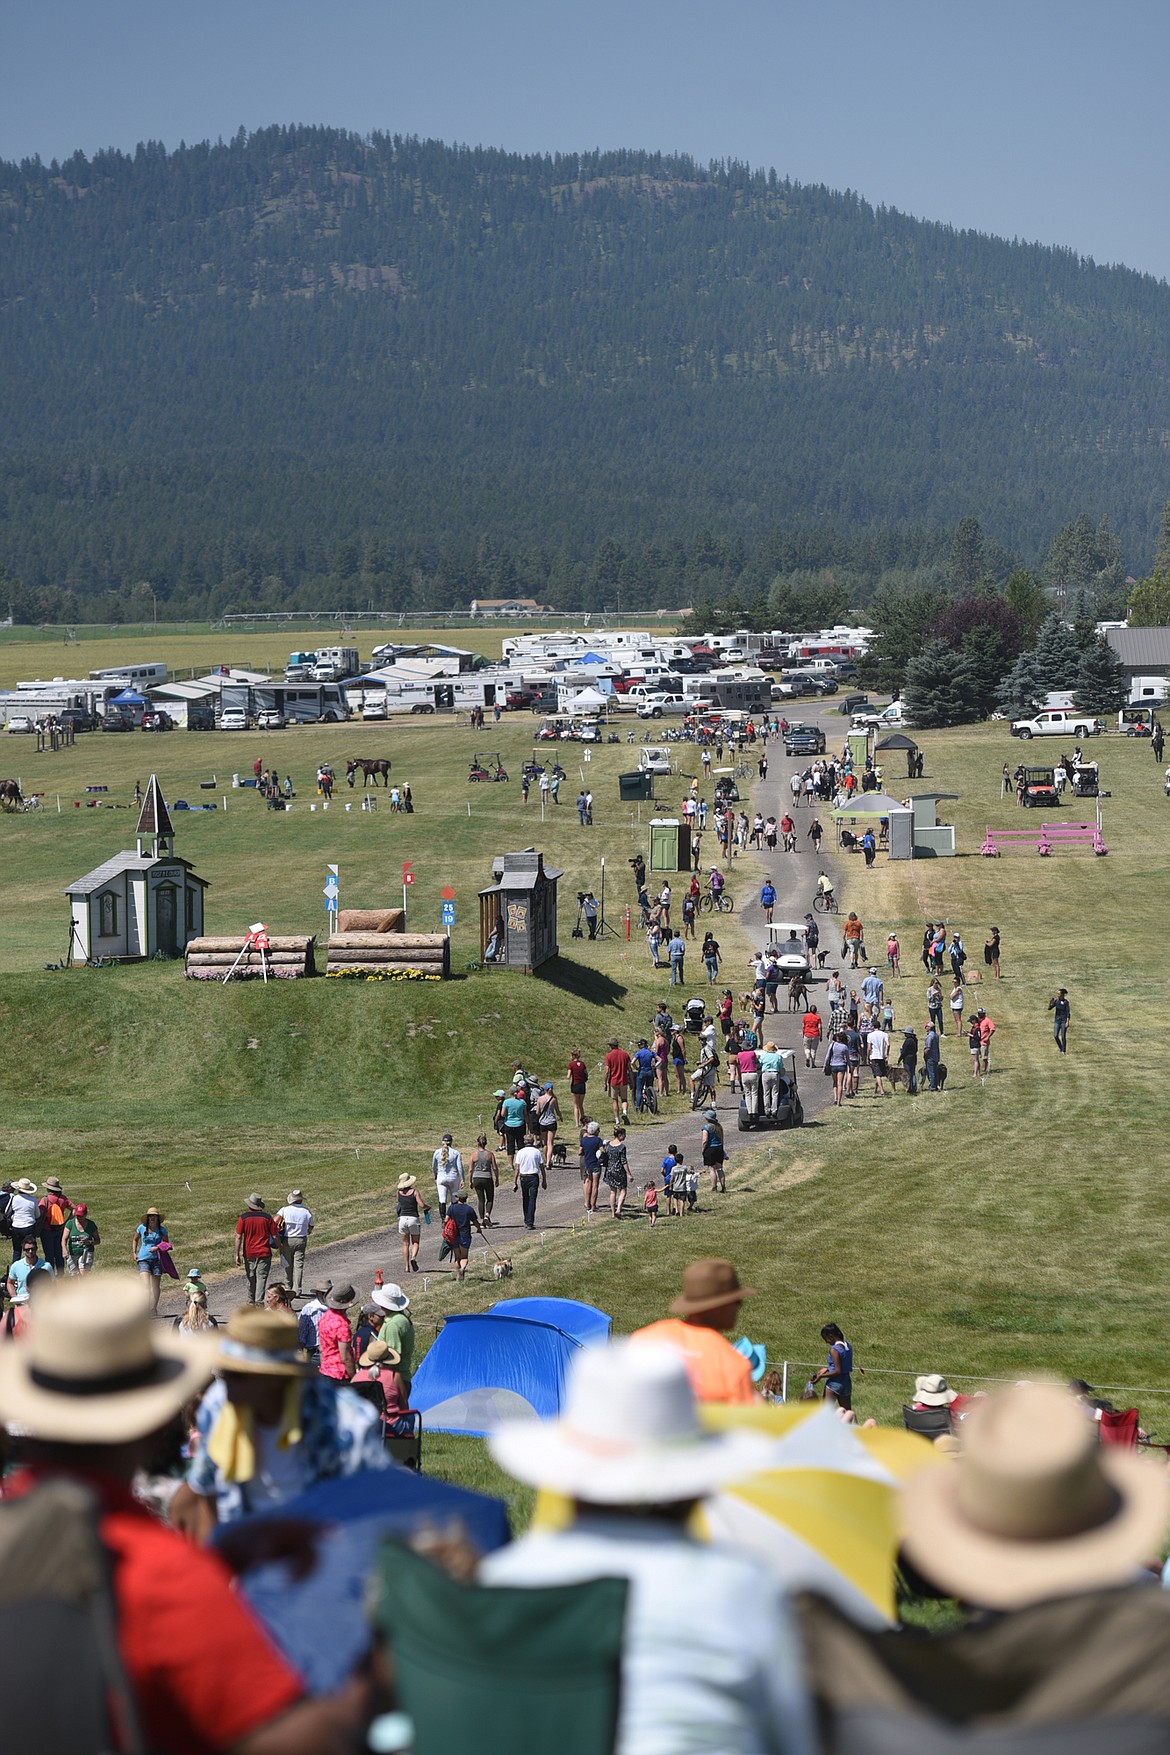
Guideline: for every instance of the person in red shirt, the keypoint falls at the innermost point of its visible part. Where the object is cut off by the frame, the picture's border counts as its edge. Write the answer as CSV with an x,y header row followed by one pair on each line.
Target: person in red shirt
x,y
255,1231
811,1032
202,1671
578,1076
617,1079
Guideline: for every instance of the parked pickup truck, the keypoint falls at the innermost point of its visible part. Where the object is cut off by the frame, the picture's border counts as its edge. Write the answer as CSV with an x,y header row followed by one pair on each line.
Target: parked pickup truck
x,y
654,706
1056,722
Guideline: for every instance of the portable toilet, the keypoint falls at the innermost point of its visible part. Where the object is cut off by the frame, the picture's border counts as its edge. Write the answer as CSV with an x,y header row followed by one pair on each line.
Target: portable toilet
x,y
670,844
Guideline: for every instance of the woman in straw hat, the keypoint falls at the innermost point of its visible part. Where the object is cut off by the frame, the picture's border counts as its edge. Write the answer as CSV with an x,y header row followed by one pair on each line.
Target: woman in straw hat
x,y
270,1426
92,1390
397,1329
710,1661
411,1209
148,1236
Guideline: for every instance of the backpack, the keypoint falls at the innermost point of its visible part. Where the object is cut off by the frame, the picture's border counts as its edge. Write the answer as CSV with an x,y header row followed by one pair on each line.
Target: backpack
x,y
450,1233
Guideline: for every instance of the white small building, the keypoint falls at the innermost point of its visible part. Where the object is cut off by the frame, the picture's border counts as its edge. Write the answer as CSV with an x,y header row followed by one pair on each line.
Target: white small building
x,y
141,903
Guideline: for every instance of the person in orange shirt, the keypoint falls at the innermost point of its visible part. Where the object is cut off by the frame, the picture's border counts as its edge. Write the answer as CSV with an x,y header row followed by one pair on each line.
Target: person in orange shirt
x,y
709,1305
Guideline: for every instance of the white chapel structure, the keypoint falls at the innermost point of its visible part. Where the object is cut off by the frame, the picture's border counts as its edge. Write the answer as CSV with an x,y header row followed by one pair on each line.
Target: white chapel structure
x,y
138,904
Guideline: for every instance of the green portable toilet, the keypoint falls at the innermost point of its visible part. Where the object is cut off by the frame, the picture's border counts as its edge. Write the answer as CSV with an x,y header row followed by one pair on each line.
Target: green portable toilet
x,y
667,838
635,786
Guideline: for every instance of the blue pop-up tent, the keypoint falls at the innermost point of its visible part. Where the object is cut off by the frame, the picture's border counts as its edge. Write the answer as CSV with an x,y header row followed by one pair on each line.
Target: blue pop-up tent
x,y
584,1322
128,698
501,1364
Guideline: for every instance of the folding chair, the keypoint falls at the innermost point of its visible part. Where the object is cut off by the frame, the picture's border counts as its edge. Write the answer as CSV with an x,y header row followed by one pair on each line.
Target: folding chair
x,y
503,1670
404,1447
1119,1428
930,1423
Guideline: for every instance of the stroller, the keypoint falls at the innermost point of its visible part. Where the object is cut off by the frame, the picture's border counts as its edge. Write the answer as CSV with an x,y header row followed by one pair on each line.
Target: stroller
x,y
694,1013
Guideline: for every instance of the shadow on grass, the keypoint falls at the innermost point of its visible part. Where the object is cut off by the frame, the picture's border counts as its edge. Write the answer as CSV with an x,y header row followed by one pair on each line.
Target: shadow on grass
x,y
581,981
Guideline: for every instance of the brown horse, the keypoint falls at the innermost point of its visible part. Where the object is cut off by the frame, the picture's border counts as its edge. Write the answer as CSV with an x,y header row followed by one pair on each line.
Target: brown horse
x,y
11,797
369,767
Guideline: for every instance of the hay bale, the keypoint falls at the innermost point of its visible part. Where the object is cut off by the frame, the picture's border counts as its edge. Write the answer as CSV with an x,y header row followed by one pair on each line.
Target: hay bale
x,y
369,920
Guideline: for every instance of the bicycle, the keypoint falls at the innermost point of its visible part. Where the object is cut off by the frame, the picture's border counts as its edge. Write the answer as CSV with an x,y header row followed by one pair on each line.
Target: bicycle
x,y
824,902
716,902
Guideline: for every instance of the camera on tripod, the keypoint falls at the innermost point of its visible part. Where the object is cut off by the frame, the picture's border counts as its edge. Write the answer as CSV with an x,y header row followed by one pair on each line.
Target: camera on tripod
x,y
578,930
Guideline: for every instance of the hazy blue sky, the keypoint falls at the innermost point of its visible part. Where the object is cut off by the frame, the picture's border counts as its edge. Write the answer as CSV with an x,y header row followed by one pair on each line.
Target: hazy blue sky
x,y
1041,119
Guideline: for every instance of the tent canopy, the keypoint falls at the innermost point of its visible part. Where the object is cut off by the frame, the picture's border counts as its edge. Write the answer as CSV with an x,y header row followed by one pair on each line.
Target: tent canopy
x,y
868,803
897,740
128,698
583,1322
488,1368
589,698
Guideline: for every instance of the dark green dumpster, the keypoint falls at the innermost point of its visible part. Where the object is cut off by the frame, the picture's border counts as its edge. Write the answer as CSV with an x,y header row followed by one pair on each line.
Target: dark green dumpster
x,y
635,786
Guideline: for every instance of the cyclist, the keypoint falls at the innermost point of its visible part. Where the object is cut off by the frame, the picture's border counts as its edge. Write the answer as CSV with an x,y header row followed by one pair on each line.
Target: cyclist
x,y
717,884
825,891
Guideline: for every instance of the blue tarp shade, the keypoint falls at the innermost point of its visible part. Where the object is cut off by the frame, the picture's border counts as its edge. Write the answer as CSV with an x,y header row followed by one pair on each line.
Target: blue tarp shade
x,y
320,1622
485,1369
584,1322
128,698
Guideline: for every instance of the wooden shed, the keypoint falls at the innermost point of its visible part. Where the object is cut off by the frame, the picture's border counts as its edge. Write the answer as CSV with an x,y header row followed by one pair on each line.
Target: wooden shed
x,y
518,913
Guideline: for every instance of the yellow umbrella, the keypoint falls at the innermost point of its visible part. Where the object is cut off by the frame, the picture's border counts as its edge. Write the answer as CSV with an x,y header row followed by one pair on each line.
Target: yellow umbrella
x,y
825,1515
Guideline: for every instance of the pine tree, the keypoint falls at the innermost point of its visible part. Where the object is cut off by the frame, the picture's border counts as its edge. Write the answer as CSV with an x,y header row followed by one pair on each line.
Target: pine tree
x,y
1102,687
1025,595
938,688
1149,601
1057,654
965,566
1023,688
984,660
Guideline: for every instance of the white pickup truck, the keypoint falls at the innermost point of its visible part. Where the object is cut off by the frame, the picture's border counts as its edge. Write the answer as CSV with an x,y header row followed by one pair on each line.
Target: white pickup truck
x,y
1056,722
654,706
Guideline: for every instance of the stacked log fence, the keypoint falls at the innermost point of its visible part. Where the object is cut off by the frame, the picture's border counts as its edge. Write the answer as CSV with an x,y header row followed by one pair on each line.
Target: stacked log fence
x,y
289,958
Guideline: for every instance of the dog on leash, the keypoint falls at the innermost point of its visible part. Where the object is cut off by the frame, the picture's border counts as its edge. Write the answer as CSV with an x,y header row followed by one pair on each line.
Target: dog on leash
x,y
502,1269
560,1152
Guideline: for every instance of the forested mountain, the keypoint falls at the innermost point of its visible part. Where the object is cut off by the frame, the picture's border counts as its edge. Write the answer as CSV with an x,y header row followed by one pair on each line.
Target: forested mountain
x,y
307,367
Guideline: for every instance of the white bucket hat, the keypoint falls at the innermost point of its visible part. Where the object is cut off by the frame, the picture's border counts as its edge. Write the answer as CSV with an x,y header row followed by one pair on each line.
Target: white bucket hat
x,y
1035,1507
629,1434
390,1297
934,1391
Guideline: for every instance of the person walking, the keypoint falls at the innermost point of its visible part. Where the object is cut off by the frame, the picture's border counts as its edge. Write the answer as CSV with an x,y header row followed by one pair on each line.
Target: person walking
x,y
957,956
410,1209
617,1079
22,1212
837,1372
547,1116
837,1068
991,951
642,1063
296,1222
53,1209
82,1237
461,1214
768,899
1062,1011
893,955
710,956
591,1158
714,1151
514,1119
616,1174
934,1005
447,1168
577,1074
256,1229
485,1179
877,1045
930,1054
676,950
529,1178
811,1032
908,1060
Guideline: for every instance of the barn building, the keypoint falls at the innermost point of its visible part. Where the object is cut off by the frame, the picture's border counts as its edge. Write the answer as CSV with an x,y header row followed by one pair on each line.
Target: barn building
x,y
138,904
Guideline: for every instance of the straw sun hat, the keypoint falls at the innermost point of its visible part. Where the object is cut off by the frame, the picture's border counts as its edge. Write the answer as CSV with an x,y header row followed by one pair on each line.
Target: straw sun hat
x,y
629,1434
707,1285
1035,1507
98,1370
259,1342
933,1391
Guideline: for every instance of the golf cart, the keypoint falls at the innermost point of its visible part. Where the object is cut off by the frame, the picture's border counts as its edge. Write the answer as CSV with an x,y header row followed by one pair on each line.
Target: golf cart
x,y
479,769
1085,780
1040,789
787,939
789,1109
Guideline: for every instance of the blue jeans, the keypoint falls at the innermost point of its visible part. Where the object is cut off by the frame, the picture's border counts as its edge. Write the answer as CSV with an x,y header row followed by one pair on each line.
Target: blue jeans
x,y
676,971
529,1188
930,1066
712,970
642,1084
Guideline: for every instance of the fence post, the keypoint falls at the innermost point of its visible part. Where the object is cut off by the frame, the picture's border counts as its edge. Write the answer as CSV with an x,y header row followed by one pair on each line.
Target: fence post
x,y
784,1383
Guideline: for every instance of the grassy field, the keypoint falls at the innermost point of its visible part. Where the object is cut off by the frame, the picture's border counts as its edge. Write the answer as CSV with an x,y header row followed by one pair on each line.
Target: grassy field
x,y
195,648
137,1083
1008,1228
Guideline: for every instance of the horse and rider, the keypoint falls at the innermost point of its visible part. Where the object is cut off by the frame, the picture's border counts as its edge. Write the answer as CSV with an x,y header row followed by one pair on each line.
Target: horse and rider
x,y
371,768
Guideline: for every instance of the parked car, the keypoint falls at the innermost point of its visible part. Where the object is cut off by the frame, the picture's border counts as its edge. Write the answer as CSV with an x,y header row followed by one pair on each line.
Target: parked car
x,y
851,704
21,722
78,718
374,709
156,719
804,740
271,720
824,684
233,719
117,721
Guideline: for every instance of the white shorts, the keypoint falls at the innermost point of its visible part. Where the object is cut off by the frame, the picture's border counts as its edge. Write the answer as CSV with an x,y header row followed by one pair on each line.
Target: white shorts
x,y
408,1227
